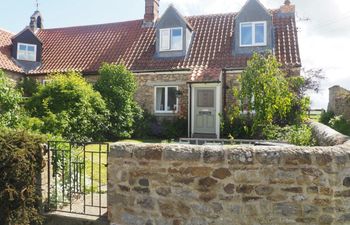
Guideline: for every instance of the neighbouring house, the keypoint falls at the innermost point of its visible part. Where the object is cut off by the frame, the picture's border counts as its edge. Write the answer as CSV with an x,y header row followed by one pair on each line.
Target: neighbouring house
x,y
185,66
339,101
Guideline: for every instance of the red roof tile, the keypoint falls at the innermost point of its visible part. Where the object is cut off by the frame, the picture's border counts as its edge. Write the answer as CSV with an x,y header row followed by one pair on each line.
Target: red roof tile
x,y
6,61
85,48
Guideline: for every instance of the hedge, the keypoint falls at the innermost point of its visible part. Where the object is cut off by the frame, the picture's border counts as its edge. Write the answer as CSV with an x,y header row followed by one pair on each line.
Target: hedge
x,y
21,162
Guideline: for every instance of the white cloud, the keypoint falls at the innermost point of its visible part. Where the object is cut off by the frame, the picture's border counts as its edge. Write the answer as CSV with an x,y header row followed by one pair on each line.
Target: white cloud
x,y
324,40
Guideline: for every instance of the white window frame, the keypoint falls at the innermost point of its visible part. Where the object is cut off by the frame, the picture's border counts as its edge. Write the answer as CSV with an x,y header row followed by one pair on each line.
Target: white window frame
x,y
27,45
254,44
165,100
170,30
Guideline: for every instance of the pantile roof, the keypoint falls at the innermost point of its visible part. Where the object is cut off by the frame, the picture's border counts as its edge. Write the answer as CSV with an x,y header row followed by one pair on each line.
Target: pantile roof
x,y
84,48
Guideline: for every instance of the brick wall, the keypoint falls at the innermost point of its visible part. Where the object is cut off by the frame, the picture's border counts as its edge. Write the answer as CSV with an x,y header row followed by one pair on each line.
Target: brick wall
x,y
183,184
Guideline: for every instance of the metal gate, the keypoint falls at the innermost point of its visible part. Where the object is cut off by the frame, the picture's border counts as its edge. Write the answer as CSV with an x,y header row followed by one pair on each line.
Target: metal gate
x,y
77,177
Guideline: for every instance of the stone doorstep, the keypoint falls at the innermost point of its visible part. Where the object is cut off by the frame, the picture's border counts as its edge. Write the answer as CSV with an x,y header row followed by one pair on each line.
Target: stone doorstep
x,y
60,218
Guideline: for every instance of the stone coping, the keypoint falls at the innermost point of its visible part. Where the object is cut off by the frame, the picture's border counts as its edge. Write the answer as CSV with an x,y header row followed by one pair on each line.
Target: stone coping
x,y
233,155
331,143
327,136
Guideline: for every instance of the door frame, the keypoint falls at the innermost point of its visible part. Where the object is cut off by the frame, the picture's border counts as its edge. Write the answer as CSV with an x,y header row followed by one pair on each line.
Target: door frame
x,y
218,103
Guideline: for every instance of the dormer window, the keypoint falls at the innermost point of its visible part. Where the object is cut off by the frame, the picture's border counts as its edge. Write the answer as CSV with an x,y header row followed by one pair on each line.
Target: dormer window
x,y
253,34
171,39
26,52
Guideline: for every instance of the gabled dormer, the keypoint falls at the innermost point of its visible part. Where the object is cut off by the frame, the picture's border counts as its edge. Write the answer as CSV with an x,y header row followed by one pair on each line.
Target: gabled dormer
x,y
253,30
26,46
174,34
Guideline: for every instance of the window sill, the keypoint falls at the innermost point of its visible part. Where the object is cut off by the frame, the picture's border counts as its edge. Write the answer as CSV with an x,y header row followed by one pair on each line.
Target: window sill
x,y
165,112
171,50
249,46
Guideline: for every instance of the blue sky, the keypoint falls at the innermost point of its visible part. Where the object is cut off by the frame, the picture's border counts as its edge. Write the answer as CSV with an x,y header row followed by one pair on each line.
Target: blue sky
x,y
324,39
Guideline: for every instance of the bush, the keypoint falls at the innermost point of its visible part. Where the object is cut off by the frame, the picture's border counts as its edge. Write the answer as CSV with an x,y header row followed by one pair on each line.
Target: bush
x,y
150,127
20,164
11,111
117,86
326,117
298,134
29,86
239,128
340,124
69,107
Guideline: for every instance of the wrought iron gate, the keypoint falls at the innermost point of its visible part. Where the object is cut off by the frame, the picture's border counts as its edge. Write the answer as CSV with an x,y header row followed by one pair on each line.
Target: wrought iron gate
x,y
77,177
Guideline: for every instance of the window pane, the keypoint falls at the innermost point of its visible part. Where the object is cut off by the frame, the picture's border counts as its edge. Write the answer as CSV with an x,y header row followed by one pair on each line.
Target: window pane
x,y
21,55
31,48
171,99
160,99
259,33
22,47
176,39
205,98
246,34
31,56
165,39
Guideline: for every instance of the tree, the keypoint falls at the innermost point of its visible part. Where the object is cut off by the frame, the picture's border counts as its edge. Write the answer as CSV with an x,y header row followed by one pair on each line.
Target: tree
x,y
11,110
70,107
265,92
117,85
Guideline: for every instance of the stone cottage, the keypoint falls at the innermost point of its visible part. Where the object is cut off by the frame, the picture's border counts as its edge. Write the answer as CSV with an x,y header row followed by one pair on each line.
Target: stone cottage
x,y
185,66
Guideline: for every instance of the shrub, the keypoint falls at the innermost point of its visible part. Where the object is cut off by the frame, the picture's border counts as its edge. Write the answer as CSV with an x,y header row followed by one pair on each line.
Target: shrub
x,y
69,107
11,110
239,128
297,134
29,86
20,164
117,86
150,127
326,117
340,124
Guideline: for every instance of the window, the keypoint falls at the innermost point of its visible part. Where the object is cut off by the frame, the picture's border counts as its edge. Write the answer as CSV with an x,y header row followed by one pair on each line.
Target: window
x,y
26,52
165,99
171,39
253,34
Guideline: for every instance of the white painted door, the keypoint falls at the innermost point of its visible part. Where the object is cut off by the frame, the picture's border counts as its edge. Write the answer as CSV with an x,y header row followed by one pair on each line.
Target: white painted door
x,y
205,110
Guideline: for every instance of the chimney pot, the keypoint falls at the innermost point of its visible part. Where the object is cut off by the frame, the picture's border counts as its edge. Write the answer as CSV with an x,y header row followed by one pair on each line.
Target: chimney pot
x,y
287,7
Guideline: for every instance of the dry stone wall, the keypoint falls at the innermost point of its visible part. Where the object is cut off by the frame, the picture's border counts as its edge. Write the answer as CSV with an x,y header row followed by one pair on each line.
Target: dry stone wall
x,y
201,185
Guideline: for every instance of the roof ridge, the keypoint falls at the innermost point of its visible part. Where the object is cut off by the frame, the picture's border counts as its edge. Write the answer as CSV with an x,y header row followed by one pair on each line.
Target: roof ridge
x,y
91,25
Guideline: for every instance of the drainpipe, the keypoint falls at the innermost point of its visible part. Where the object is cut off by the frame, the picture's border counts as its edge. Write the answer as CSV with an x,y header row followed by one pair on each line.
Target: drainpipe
x,y
189,110
224,91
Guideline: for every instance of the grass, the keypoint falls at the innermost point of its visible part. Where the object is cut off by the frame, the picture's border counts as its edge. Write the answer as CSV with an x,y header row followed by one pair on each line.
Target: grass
x,y
93,161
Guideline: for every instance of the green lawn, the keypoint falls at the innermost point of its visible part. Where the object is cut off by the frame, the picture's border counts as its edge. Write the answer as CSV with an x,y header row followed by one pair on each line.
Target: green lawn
x,y
93,160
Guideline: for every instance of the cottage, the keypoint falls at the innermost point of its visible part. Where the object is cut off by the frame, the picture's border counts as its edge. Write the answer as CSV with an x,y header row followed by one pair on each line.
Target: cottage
x,y
185,66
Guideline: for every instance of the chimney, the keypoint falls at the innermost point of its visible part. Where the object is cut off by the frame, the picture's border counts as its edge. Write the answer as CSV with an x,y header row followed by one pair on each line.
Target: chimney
x,y
287,7
151,12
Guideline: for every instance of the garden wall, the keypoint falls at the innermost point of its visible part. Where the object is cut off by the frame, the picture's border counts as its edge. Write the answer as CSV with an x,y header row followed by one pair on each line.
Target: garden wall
x,y
184,184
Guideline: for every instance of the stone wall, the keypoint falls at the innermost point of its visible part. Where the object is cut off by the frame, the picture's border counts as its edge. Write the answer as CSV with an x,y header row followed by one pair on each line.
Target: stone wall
x,y
326,136
200,185
339,101
145,92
